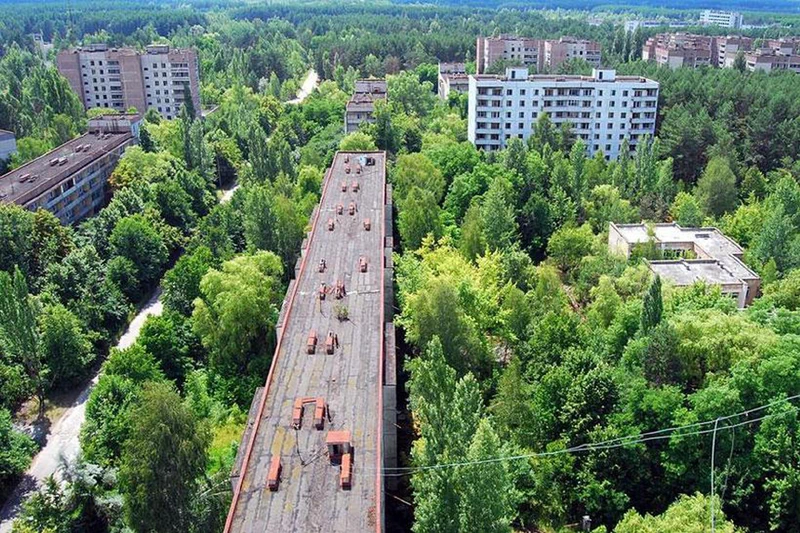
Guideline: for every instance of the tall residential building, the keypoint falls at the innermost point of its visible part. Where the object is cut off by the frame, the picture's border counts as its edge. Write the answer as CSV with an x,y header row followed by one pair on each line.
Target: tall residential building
x,y
8,144
121,78
604,110
726,19
361,106
688,50
566,48
71,180
775,54
691,255
536,54
727,49
452,78
676,50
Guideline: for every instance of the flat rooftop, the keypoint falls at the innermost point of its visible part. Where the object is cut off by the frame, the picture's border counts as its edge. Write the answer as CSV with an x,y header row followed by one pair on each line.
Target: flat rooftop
x,y
309,497
20,186
720,257
563,78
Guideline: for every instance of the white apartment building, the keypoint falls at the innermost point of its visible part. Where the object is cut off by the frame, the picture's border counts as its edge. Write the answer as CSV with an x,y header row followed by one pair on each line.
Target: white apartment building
x,y
603,109
726,19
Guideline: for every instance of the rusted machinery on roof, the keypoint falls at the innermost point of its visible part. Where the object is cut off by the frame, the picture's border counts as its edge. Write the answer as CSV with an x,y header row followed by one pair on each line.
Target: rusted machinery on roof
x,y
338,290
274,474
331,342
340,451
311,344
320,410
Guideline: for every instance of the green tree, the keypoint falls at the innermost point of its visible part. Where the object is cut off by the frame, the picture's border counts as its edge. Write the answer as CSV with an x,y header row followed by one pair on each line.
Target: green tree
x,y
569,245
416,170
136,239
716,188
605,205
418,218
16,449
16,238
19,337
161,337
181,283
66,348
273,222
448,411
686,210
498,217
652,306
235,318
357,141
438,313
472,243
689,514
485,489
161,462
413,96
145,140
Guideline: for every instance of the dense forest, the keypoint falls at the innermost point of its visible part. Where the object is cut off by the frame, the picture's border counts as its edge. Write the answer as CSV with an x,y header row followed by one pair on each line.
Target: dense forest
x,y
546,378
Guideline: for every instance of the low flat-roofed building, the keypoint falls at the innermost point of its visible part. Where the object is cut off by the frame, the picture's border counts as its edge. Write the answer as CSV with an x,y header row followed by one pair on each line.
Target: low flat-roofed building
x,y
8,144
726,19
699,254
120,123
361,106
69,181
452,78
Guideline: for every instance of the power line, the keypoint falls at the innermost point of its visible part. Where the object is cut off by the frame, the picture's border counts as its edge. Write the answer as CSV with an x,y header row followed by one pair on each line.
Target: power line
x,y
612,443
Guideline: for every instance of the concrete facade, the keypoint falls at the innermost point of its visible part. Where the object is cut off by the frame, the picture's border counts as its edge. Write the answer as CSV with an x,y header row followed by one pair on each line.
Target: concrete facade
x,y
71,180
8,144
361,106
726,19
775,55
675,50
604,109
356,379
120,78
699,255
452,78
538,55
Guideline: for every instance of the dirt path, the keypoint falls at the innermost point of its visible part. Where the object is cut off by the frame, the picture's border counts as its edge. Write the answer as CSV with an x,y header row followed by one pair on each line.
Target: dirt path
x,y
309,84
